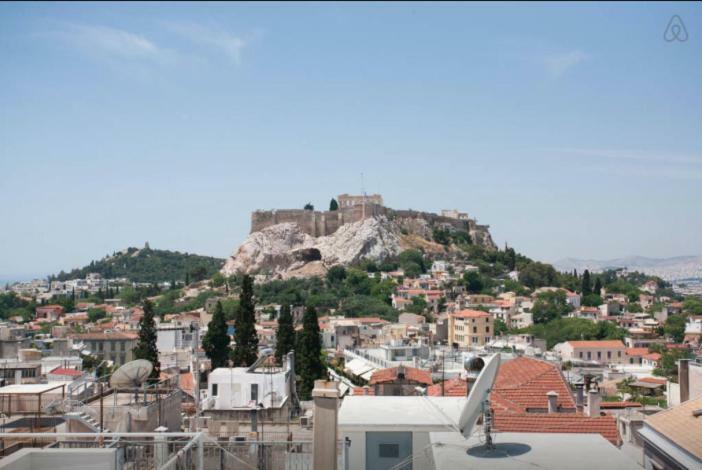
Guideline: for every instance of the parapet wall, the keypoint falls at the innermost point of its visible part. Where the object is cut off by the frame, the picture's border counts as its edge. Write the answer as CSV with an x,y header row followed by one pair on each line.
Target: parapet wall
x,y
315,223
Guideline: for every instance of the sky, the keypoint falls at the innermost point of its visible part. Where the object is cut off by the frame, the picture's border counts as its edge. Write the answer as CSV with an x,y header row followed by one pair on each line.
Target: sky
x,y
573,130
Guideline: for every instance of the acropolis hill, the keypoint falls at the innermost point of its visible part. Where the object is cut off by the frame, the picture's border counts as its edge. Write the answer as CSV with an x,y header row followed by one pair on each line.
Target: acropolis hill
x,y
302,242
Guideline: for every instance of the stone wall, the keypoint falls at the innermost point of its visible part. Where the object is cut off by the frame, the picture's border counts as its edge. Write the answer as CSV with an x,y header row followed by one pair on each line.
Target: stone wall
x,y
322,223
315,223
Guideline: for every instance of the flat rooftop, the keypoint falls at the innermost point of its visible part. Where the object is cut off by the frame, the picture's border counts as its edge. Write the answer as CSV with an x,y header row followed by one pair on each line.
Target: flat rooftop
x,y
19,389
546,451
430,413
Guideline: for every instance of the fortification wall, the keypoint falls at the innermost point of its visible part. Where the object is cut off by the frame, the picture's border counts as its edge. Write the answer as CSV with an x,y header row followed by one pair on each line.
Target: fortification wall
x,y
322,223
315,223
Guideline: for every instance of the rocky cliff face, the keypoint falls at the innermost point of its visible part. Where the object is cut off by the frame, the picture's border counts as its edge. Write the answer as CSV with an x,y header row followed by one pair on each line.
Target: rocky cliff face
x,y
286,250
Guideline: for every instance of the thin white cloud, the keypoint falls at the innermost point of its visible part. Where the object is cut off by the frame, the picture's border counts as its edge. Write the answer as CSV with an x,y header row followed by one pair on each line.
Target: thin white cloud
x,y
217,38
623,154
112,43
558,64
630,163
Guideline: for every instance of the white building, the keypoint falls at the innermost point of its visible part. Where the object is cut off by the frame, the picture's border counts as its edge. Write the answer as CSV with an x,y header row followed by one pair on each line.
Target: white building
x,y
247,388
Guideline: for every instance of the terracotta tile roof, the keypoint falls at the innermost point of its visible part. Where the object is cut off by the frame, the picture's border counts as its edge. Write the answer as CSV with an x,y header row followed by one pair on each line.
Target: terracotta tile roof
x,y
390,375
653,380
471,314
371,320
456,387
636,351
679,425
363,391
558,423
523,383
66,371
653,356
597,344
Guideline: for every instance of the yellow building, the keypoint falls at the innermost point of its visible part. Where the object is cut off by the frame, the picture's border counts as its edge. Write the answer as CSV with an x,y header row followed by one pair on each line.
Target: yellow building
x,y
470,328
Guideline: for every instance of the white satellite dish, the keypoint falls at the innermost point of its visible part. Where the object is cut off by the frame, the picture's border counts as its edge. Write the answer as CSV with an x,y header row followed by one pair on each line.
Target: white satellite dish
x,y
478,394
132,374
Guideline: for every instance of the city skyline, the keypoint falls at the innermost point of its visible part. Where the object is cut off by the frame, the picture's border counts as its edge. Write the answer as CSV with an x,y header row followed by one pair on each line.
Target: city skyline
x,y
570,130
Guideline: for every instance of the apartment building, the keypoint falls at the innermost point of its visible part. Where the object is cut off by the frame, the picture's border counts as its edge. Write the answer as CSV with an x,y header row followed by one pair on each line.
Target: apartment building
x,y
602,352
112,346
470,328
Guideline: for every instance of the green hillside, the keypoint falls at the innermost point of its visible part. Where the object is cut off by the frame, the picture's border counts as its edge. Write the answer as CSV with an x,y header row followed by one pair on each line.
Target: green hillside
x,y
147,265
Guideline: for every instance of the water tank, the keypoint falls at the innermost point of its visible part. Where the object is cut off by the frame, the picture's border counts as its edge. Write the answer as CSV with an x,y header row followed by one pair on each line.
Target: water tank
x,y
26,355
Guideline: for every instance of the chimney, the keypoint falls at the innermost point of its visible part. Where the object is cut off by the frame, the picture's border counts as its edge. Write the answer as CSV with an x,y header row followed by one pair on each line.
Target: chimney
x,y
579,397
684,379
588,380
326,408
593,403
552,402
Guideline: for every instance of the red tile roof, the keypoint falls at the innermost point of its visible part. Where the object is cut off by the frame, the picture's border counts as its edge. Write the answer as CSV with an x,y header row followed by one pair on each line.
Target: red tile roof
x,y
452,388
558,423
65,371
471,314
597,344
523,383
363,391
636,351
653,380
390,375
521,386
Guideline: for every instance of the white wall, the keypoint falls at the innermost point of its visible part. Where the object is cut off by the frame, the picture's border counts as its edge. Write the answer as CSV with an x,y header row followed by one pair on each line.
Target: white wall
x,y
234,389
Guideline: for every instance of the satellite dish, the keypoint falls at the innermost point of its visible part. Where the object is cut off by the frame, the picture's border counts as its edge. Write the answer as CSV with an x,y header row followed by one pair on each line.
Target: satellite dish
x,y
478,394
132,374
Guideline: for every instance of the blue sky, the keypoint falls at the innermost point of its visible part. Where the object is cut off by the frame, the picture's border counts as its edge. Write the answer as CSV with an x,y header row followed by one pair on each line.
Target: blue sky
x,y
573,130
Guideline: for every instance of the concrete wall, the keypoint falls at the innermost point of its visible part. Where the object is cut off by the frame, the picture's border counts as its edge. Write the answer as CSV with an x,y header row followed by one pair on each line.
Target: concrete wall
x,y
50,459
357,449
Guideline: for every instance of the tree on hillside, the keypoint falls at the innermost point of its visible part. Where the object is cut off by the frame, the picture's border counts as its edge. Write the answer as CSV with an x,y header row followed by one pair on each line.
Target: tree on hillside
x,y
216,340
246,348
146,346
675,328
536,274
285,336
333,205
309,354
587,286
598,286
550,306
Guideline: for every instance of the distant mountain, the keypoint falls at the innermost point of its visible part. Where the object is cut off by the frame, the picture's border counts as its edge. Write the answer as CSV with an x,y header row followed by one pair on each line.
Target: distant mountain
x,y
147,265
670,269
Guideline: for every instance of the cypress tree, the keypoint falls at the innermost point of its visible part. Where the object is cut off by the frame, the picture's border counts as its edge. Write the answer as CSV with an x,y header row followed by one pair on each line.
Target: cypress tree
x,y
587,286
598,286
285,336
146,346
216,340
309,350
333,205
246,349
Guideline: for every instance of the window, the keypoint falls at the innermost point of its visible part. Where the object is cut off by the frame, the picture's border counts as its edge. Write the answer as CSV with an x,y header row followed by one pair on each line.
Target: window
x,y
389,451
475,329
589,355
609,354
599,354
122,345
214,390
487,329
581,354
254,392
475,339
